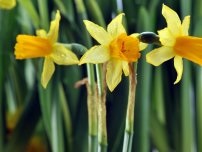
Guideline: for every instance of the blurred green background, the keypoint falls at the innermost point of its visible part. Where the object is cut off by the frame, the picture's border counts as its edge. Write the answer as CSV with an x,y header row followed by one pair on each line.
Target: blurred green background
x,y
168,118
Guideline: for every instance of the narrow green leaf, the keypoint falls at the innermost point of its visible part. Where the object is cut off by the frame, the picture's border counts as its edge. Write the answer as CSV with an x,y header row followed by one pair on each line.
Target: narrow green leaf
x,y
95,12
158,98
158,133
198,108
66,8
67,117
56,125
45,104
43,12
142,111
31,10
187,129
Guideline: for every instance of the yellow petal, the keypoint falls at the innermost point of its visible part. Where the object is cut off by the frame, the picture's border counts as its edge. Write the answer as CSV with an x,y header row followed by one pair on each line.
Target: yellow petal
x,y
7,4
166,38
41,33
160,55
189,47
114,73
142,46
185,25
125,68
135,35
48,70
172,19
98,33
63,56
178,64
54,27
32,47
115,27
97,54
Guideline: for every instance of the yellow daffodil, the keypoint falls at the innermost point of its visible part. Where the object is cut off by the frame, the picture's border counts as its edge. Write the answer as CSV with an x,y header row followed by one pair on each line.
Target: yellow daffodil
x,y
176,43
7,4
45,45
117,49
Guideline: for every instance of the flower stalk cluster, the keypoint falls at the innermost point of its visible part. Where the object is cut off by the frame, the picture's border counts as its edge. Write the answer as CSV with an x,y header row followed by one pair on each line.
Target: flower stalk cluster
x,y
117,52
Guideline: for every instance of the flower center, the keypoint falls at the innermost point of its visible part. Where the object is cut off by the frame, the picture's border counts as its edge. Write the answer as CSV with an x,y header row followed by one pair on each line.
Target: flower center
x,y
125,48
32,47
190,48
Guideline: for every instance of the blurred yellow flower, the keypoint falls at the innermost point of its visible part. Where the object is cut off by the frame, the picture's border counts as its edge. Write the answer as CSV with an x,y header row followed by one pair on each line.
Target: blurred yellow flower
x,y
45,45
176,43
117,49
7,4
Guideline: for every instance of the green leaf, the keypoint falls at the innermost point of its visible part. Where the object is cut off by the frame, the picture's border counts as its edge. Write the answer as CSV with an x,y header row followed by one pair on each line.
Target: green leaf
x,y
43,12
56,124
66,116
31,10
66,8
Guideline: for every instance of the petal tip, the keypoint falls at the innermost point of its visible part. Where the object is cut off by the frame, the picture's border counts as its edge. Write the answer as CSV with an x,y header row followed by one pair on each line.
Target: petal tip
x,y
44,85
86,22
176,81
149,60
111,89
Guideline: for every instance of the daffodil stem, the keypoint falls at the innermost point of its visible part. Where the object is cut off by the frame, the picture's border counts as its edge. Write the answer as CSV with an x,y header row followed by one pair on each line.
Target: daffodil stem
x,y
102,126
92,97
91,87
96,13
92,117
128,137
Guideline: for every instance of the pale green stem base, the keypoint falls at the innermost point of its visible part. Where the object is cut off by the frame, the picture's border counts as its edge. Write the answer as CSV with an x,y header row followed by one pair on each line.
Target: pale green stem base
x,y
128,141
128,138
102,148
102,126
93,143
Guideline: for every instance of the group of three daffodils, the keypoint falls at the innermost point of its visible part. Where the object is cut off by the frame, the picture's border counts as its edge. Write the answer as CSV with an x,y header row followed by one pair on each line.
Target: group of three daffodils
x,y
116,49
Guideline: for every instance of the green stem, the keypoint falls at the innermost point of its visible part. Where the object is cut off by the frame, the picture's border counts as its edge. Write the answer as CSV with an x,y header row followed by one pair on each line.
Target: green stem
x,y
92,98
128,141
99,79
128,137
102,126
94,9
92,116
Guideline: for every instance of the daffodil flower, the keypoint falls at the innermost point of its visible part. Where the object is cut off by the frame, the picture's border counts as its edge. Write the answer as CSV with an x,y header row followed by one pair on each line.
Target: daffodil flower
x,y
7,4
176,43
45,45
117,49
